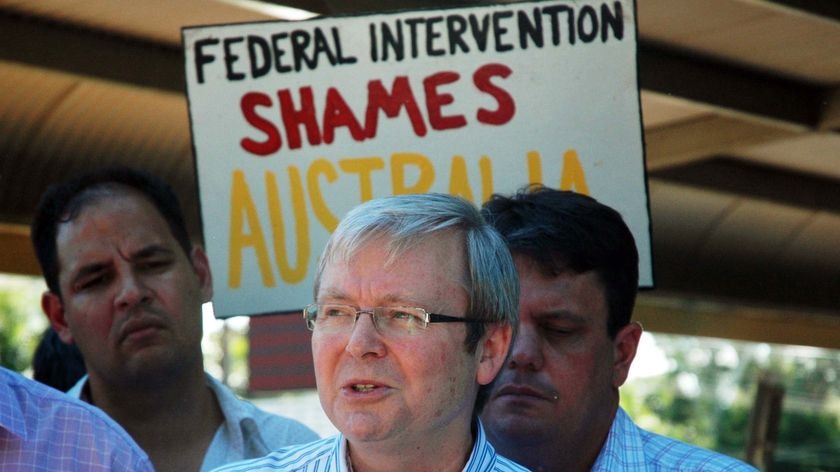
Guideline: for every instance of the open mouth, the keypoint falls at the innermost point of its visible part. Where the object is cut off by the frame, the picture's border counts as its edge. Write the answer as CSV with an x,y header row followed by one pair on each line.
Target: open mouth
x,y
363,388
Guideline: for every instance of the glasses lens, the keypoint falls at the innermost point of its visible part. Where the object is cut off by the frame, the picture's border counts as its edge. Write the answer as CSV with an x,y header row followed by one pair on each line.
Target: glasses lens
x,y
389,321
400,320
330,318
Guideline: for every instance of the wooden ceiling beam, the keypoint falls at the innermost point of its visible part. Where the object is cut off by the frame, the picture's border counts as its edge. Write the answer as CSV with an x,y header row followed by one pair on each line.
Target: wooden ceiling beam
x,y
713,134
700,79
679,315
830,120
17,256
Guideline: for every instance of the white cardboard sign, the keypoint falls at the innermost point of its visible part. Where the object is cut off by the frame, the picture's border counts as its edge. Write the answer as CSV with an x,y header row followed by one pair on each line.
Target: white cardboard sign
x,y
294,123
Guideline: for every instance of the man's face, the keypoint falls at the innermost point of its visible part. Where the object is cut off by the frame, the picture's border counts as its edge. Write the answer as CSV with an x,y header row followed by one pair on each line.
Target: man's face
x,y
560,385
416,387
130,298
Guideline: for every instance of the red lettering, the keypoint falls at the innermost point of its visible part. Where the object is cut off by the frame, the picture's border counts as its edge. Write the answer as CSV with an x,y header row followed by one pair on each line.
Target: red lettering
x,y
506,109
293,119
249,103
436,100
337,113
391,103
298,112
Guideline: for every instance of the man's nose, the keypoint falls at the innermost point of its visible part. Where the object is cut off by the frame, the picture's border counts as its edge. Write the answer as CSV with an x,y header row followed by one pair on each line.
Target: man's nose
x,y
526,352
132,290
365,339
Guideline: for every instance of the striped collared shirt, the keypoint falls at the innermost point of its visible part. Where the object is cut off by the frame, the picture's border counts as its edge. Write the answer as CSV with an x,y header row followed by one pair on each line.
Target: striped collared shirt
x,y
42,429
630,448
329,455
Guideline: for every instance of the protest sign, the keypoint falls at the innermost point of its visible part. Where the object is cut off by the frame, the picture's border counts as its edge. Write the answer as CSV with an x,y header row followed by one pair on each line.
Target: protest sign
x,y
294,123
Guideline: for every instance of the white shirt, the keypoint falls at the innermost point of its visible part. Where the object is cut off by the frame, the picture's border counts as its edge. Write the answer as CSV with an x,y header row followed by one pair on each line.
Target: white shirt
x,y
329,455
247,431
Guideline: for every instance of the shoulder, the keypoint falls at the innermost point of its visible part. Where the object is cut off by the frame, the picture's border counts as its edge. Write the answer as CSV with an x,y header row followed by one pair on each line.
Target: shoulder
x,y
276,428
277,431
65,429
485,458
671,454
309,456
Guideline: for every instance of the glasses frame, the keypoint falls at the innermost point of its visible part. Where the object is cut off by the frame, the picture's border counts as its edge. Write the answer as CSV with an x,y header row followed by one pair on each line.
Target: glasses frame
x,y
428,317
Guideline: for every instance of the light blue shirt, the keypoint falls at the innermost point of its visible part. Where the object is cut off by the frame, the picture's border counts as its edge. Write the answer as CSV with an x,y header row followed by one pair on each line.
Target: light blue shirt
x,y
630,448
329,455
42,429
247,431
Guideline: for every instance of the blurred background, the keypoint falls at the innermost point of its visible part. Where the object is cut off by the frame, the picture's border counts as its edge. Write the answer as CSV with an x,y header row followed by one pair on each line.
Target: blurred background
x,y
741,111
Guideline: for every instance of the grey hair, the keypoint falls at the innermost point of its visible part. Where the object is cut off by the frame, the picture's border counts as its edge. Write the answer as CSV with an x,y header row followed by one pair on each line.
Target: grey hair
x,y
491,280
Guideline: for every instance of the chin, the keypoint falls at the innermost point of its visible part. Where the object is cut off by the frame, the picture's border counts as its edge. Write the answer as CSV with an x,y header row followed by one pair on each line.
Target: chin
x,y
515,428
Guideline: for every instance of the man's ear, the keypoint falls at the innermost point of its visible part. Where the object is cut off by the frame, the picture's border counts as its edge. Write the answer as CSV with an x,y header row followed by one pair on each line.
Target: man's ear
x,y
201,266
54,309
492,351
624,351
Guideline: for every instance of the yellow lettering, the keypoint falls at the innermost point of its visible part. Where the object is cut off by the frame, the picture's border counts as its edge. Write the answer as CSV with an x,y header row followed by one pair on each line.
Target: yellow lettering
x,y
534,168
319,207
363,167
486,169
459,184
287,273
241,209
399,162
573,178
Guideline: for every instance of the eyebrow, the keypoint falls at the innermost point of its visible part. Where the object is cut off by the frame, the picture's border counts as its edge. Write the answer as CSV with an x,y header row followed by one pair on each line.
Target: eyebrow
x,y
563,315
151,250
95,267
384,301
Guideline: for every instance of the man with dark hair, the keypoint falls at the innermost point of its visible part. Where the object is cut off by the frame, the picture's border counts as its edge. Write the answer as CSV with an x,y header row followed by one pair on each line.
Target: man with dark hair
x,y
126,285
554,407
415,307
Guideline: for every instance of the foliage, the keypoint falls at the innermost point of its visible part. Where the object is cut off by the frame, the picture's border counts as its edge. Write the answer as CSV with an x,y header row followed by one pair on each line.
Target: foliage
x,y
706,395
21,321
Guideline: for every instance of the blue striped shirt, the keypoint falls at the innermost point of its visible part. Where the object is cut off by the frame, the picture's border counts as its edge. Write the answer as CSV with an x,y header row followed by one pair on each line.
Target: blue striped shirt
x,y
42,429
630,448
328,455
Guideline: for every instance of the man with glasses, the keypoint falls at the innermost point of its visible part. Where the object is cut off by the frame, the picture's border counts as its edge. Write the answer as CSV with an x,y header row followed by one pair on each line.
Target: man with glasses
x,y
415,307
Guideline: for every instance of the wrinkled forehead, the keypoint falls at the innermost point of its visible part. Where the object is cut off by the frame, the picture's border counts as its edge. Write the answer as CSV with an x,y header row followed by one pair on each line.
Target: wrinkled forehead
x,y
395,247
106,217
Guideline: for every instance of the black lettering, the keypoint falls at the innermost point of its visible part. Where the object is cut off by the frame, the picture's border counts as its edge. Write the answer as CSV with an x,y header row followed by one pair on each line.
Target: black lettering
x,y
587,24
300,41
499,30
456,26
395,43
279,53
338,51
230,58
530,29
412,27
372,40
259,53
322,46
431,35
202,59
614,21
554,12
481,31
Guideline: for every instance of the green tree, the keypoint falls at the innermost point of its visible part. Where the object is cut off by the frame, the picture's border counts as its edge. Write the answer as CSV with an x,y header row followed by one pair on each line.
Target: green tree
x,y
21,321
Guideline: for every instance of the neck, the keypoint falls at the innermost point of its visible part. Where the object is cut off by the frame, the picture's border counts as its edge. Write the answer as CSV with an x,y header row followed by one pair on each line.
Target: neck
x,y
173,422
445,455
571,452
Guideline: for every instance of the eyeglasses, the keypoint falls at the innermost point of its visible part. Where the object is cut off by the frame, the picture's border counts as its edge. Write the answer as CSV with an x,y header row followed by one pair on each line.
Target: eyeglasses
x,y
390,321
